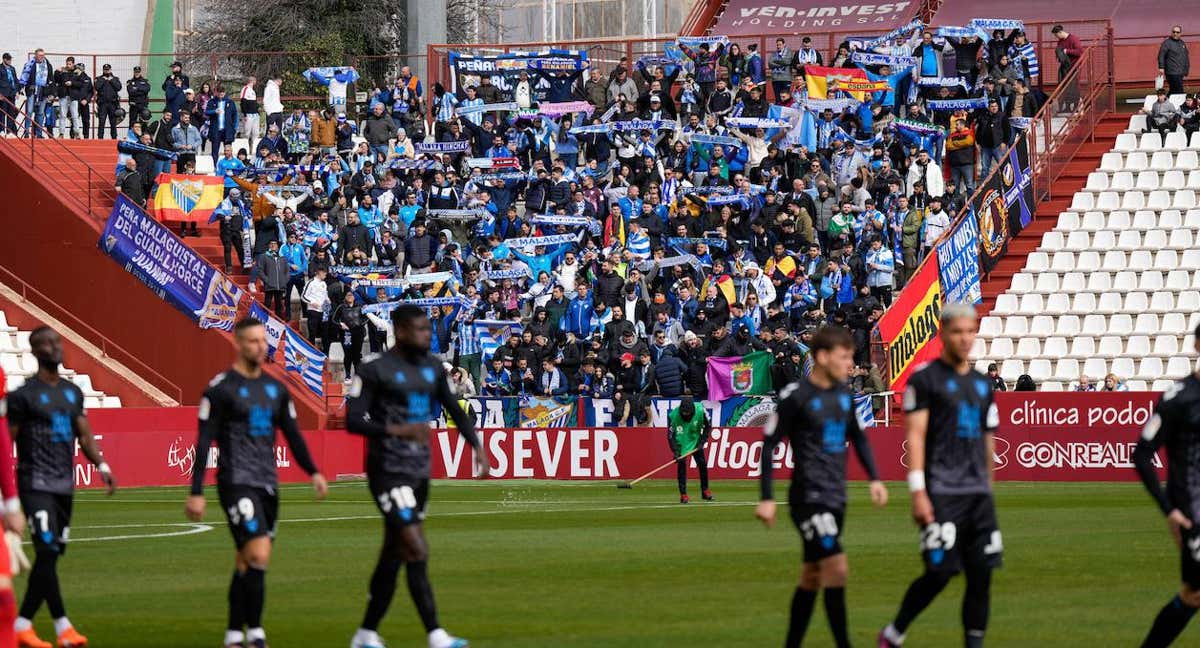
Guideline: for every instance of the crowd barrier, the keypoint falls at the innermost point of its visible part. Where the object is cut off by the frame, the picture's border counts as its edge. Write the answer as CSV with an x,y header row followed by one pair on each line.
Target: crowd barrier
x,y
1042,437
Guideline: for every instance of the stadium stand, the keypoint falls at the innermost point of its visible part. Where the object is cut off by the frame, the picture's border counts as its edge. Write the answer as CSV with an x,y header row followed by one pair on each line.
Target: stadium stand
x,y
19,364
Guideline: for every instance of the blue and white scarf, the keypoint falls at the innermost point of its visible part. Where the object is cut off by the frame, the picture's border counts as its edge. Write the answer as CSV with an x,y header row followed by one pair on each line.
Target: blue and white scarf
x,y
502,177
344,270
996,23
442,147
944,82
682,259
535,241
512,273
738,199
1020,123
704,191
419,165
958,104
756,122
895,33
836,105
723,140
456,214
696,41
676,241
951,31
481,108
610,113
569,221
867,58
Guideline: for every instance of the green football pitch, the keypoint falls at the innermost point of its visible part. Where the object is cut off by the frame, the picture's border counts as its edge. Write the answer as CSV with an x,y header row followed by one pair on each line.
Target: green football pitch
x,y
552,564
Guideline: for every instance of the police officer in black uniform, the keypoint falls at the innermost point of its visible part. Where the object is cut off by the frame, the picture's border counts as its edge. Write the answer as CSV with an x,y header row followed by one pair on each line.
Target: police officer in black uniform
x,y
46,417
138,90
1176,425
240,410
817,416
950,418
108,98
391,401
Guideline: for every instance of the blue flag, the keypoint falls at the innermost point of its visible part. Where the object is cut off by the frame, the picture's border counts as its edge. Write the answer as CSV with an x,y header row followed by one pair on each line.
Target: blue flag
x,y
306,362
864,411
492,334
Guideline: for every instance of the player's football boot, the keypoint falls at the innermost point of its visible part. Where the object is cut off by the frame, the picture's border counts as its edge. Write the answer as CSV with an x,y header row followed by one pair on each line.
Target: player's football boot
x,y
884,642
708,496
70,638
364,639
258,643
451,642
28,639
684,499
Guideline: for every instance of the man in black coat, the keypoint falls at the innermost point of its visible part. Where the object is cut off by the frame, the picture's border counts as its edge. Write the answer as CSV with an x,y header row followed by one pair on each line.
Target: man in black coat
x,y
108,97
138,90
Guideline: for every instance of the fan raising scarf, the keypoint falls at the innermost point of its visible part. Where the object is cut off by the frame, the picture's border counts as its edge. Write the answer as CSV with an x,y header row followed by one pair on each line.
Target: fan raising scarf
x,y
996,23
569,221
513,273
867,58
482,108
535,241
959,32
943,82
958,104
419,165
565,108
442,147
494,163
723,140
696,41
836,105
756,122
455,214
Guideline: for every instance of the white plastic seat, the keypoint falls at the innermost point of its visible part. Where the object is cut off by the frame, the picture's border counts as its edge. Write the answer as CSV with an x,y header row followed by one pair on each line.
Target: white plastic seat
x,y
1169,219
1126,142
1155,239
1072,282
1092,221
1142,259
1178,367
1175,141
1098,181
1067,326
1150,281
1193,177
1162,384
1129,240
1146,324
990,326
1006,304
1136,161
1114,261
1108,303
1129,200
1063,262
11,364
1121,181
1188,301
1192,218
1075,242
94,402
1136,302
1174,323
1028,348
1068,221
1158,200
1112,162
1086,261
1137,346
1120,324
22,340
1173,180
1041,326
1187,160
1051,386
1122,367
1104,239
1184,199
1031,304
1011,369
1055,346
1094,325
1083,201
1178,280
1181,239
1000,348
1066,369
1053,241
1058,303
4,326
112,402
1160,302
1047,282
1016,326
1095,367
9,345
1137,123
1136,385
1190,260
1160,160
1109,346
1194,143
1022,282
1039,369
1125,281
1084,303
1146,181
1083,346
13,382
979,348
1143,220
1166,345
1164,260
1037,262
1099,282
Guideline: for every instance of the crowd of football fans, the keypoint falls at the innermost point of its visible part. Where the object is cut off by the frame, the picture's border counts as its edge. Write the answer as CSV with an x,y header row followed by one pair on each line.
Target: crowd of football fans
x,y
716,230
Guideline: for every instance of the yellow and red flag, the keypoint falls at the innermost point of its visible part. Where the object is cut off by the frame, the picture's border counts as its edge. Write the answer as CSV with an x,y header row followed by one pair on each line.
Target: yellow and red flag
x,y
187,197
820,80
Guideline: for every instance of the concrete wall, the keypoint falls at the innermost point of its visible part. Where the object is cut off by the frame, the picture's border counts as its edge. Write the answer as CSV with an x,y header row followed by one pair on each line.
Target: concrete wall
x,y
76,26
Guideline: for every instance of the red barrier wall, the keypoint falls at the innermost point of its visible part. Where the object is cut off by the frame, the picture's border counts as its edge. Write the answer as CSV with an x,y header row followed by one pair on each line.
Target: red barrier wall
x,y
154,447
1042,437
54,249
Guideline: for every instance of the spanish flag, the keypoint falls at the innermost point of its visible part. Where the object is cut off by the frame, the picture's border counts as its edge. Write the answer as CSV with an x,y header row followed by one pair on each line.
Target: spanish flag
x,y
785,267
187,197
724,286
820,80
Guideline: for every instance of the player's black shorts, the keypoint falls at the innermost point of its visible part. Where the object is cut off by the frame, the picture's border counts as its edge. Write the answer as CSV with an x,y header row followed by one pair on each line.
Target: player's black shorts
x,y
1189,558
400,499
964,533
251,511
820,528
49,518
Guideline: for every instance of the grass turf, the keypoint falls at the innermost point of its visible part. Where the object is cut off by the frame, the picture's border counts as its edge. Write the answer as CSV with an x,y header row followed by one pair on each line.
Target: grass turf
x,y
539,564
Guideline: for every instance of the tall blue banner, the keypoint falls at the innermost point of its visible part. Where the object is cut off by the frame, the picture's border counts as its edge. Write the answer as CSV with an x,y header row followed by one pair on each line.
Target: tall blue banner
x,y
958,263
156,257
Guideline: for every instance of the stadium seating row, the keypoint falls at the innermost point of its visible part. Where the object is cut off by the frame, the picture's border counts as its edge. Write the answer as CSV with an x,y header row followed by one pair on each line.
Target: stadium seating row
x,y
1081,347
1133,200
1068,369
1176,140
1117,239
18,364
1120,220
1106,303
1047,282
1142,161
1095,324
1144,180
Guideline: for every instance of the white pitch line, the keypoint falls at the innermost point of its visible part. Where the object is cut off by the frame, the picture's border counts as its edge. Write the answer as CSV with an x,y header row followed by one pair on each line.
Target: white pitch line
x,y
192,530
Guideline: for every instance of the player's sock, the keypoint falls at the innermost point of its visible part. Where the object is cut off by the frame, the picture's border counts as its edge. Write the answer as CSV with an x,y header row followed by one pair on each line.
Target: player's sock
x,y
835,611
976,605
61,625
8,614
802,608
22,624
254,582
422,594
892,635
234,637
918,597
366,637
39,579
1171,621
383,587
256,634
237,602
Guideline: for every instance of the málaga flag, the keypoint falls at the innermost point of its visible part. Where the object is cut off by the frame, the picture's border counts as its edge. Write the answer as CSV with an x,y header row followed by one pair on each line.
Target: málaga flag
x,y
737,376
187,197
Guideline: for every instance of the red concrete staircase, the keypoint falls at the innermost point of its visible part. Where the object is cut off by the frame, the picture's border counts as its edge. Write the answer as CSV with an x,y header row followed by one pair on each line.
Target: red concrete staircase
x,y
1086,160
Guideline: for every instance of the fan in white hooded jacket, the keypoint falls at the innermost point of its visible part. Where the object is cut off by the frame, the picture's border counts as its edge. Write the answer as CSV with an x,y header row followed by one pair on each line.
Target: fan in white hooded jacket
x,y
762,286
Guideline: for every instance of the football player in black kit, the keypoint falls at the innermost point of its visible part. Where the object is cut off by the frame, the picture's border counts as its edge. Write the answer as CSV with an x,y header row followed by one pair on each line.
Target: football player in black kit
x,y
391,403
1176,424
240,410
817,416
950,417
45,416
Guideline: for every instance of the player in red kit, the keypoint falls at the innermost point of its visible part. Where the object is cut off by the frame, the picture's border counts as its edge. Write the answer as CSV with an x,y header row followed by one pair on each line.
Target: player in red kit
x,y
14,520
